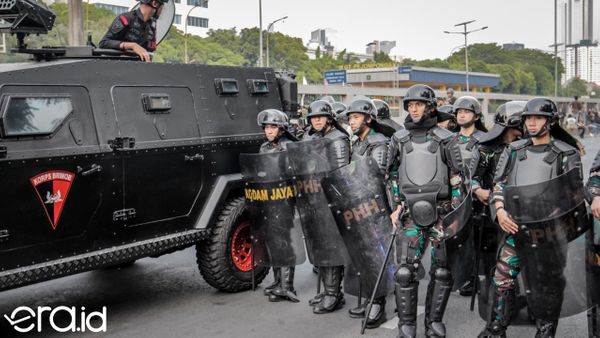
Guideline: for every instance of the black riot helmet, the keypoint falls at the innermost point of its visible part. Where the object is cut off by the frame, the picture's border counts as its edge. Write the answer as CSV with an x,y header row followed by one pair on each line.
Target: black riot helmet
x,y
327,98
541,106
383,109
338,108
363,105
445,113
274,117
320,108
469,103
509,114
162,2
423,93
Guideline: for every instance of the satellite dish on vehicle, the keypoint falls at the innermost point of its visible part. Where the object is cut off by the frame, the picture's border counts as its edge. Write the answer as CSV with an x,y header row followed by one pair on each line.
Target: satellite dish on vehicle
x,y
165,20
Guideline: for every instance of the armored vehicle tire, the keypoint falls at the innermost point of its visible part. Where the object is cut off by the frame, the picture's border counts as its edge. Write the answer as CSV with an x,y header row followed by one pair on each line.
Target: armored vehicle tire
x,y
224,257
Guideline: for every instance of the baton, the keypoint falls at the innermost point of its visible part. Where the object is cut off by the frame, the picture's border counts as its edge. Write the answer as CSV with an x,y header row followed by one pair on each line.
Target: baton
x,y
477,257
381,271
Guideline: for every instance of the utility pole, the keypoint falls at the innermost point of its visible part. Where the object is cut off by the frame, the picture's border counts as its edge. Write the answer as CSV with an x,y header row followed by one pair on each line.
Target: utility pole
x,y
76,23
465,33
260,35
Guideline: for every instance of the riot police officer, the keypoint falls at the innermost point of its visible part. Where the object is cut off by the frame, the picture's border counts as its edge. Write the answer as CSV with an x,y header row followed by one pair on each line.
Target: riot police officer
x,y
594,186
135,30
322,124
507,128
536,160
446,118
431,184
471,129
362,117
383,115
275,125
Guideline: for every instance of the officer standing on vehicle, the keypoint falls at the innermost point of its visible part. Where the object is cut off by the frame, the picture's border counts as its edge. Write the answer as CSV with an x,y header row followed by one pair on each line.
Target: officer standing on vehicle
x,y
469,119
135,30
428,155
537,159
275,125
322,124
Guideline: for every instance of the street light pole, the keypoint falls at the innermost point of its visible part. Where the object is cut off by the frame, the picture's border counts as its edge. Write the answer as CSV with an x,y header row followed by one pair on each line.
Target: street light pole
x,y
465,33
269,27
260,35
185,41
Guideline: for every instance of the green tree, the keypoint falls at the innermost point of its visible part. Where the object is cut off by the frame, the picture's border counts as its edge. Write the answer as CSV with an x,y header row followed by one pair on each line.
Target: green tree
x,y
575,87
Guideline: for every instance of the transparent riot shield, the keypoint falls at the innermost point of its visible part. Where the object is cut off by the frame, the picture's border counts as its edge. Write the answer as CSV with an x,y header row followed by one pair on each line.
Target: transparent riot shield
x,y
270,201
550,243
357,200
309,163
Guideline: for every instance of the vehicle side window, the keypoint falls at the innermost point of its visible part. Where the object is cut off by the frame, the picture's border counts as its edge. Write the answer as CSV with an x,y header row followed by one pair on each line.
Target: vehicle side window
x,y
34,115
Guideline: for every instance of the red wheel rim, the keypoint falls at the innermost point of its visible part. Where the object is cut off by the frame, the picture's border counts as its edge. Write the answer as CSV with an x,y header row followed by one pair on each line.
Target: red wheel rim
x,y
241,247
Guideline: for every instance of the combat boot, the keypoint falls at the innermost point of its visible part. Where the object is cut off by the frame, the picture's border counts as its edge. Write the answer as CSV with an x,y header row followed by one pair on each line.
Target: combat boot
x,y
318,297
545,328
286,290
500,310
438,292
377,316
359,311
406,302
276,282
332,283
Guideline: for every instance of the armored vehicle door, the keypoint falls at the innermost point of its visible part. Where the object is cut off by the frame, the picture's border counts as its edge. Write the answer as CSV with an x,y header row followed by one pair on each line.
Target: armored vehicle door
x,y
52,172
162,170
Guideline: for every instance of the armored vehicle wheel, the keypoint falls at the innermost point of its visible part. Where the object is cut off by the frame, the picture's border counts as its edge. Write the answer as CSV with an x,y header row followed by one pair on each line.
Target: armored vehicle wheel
x,y
224,258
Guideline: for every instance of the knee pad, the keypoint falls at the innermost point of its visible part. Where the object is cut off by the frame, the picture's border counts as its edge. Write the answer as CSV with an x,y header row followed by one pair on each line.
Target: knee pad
x,y
442,274
404,275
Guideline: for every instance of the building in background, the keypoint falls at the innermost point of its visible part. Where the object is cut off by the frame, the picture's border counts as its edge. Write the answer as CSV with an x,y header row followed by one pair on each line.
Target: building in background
x,y
197,22
513,46
320,40
380,46
406,76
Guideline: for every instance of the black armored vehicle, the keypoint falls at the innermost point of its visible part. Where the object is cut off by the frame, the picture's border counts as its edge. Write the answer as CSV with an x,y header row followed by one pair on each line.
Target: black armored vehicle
x,y
106,160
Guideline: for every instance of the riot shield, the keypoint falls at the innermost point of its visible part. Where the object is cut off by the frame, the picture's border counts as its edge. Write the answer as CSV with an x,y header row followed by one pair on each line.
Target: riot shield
x,y
550,243
357,200
593,277
459,239
309,161
270,202
164,21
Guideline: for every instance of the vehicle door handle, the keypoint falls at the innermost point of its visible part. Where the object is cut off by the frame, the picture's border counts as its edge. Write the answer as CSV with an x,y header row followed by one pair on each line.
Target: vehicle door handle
x,y
193,158
95,168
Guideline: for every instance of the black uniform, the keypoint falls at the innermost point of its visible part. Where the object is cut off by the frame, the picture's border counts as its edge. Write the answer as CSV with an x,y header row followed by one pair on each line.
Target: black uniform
x,y
130,27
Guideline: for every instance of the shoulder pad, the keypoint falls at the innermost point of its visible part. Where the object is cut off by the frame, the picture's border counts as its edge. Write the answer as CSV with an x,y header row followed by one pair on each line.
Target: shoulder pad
x,y
564,147
443,134
596,164
335,134
401,135
503,164
377,138
520,144
478,136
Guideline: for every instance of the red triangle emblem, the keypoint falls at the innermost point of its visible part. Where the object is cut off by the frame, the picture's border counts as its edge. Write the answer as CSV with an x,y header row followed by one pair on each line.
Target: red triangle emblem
x,y
52,188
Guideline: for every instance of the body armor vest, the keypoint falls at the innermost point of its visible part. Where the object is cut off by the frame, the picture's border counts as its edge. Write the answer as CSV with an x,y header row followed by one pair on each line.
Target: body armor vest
x,y
420,167
533,167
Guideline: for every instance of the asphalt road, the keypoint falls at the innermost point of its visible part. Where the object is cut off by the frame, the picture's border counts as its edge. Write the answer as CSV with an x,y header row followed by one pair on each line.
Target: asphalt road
x,y
167,297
